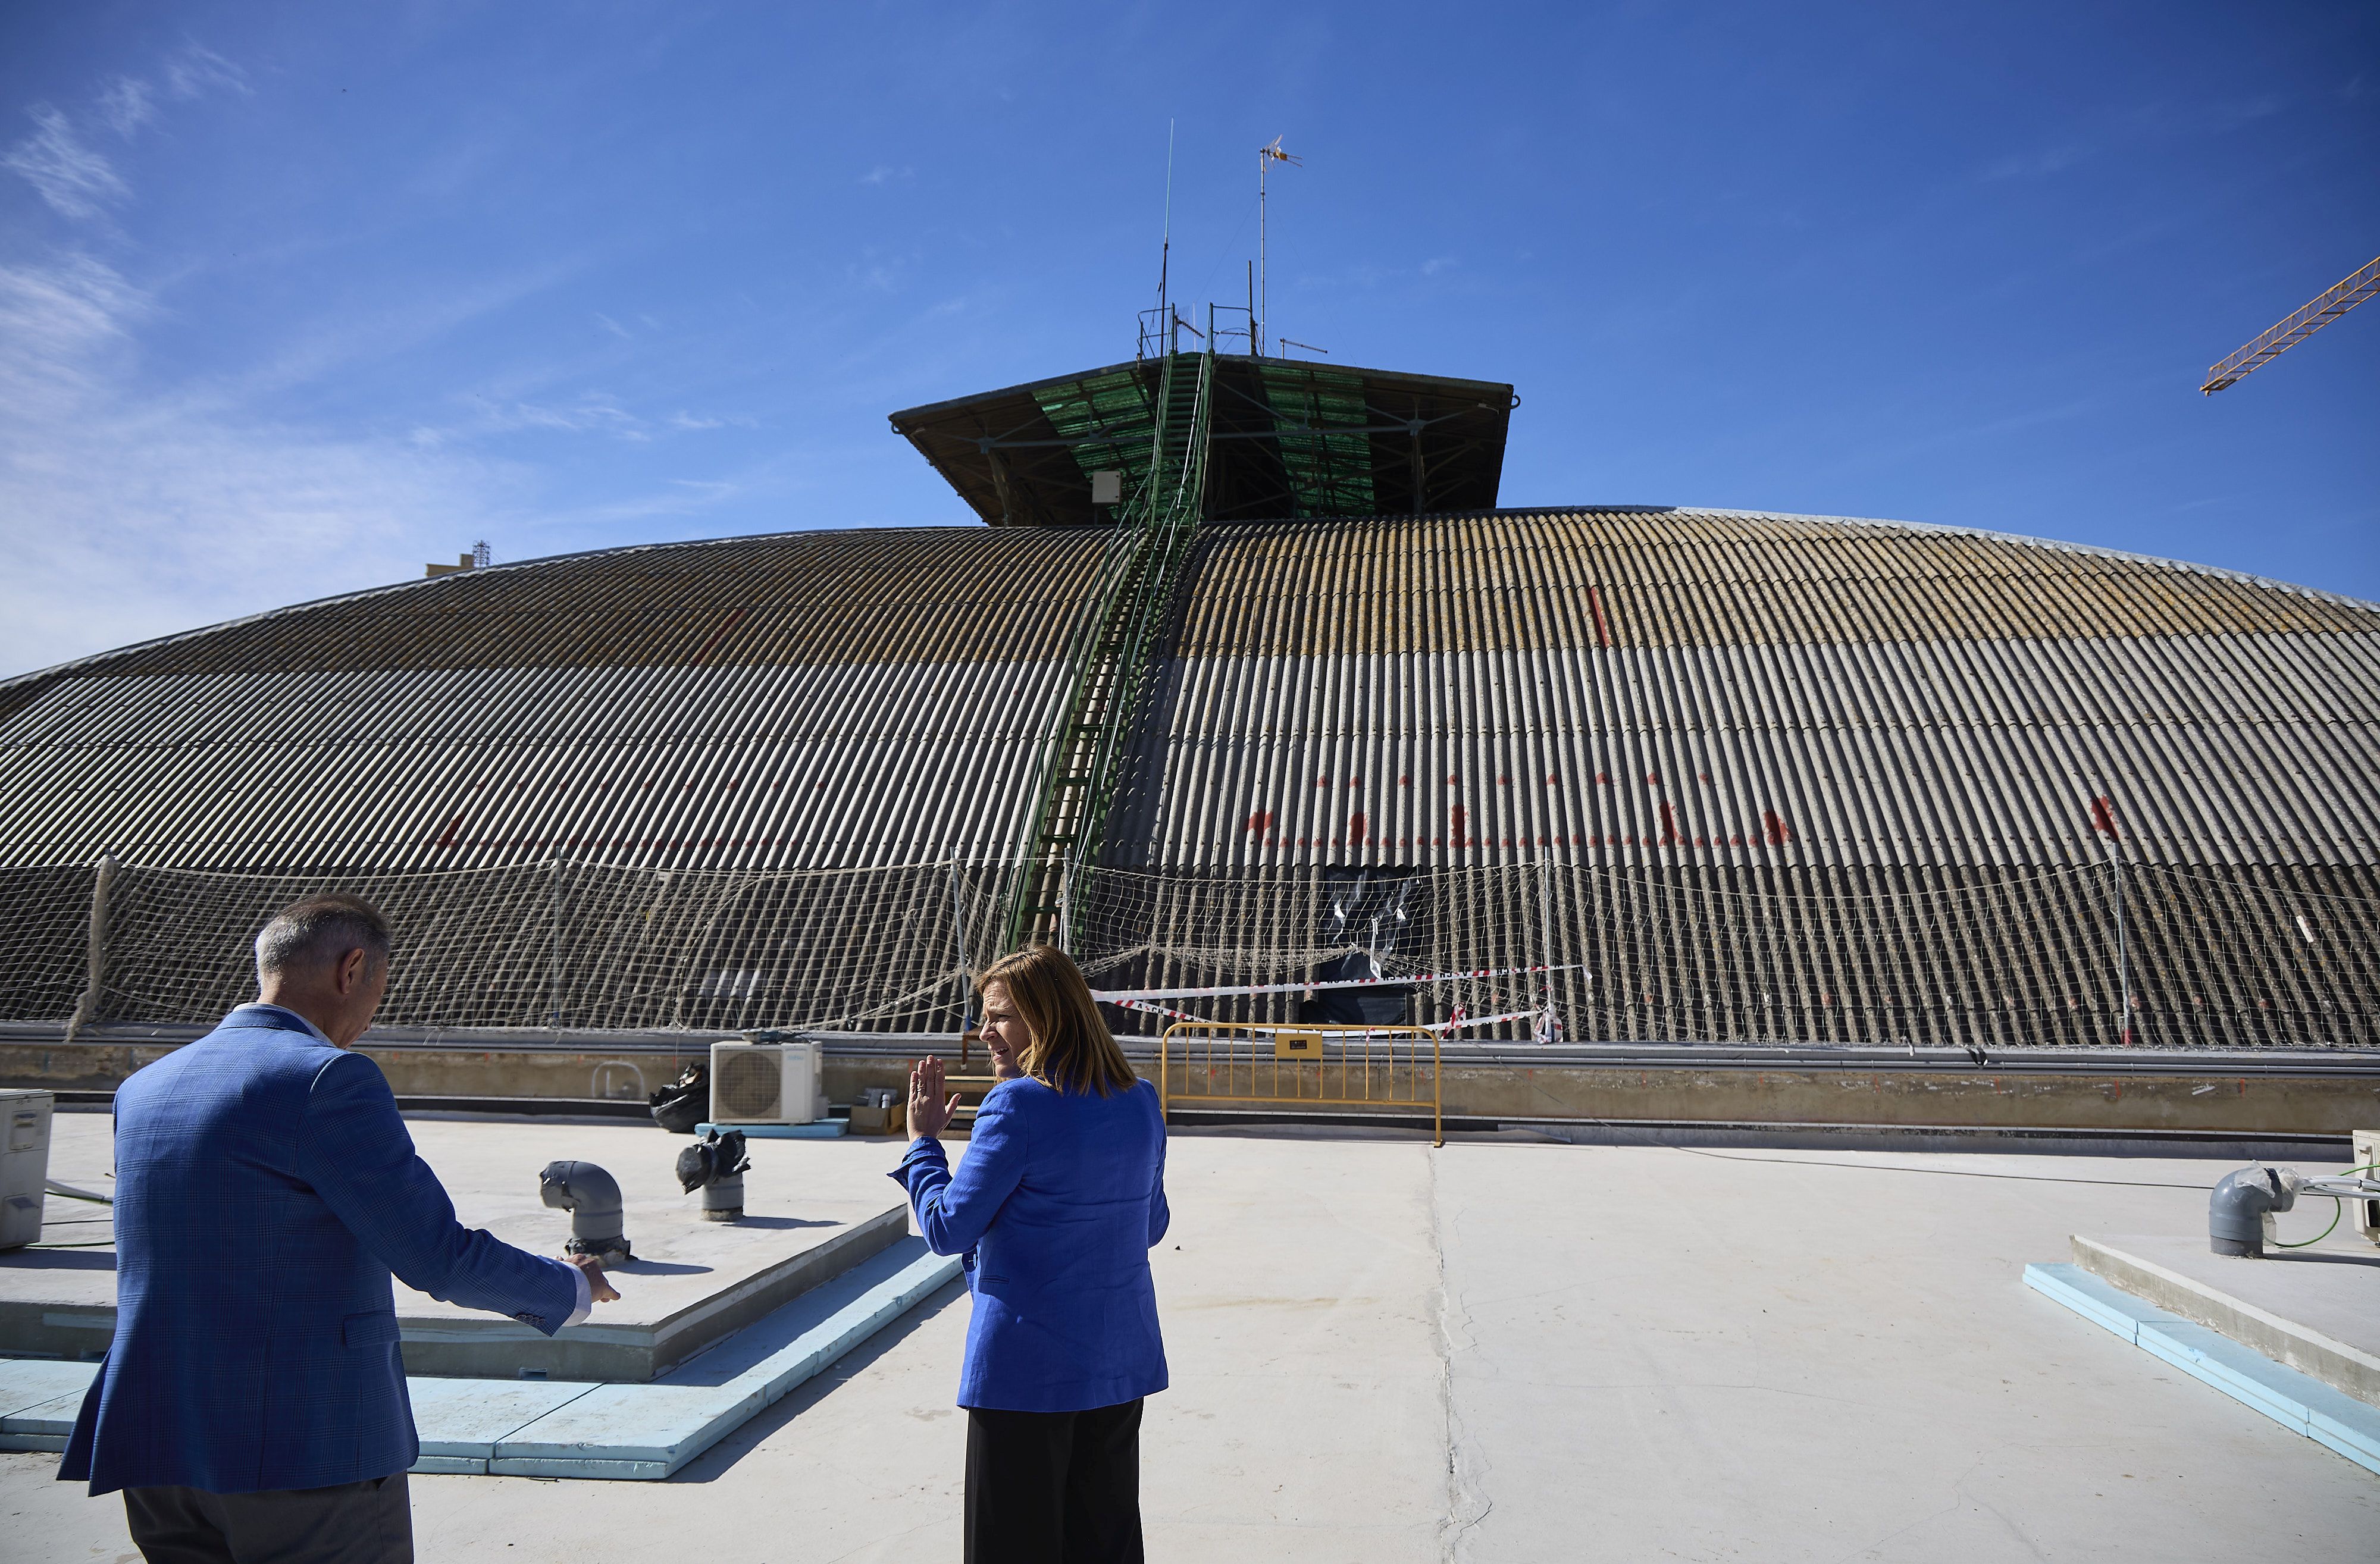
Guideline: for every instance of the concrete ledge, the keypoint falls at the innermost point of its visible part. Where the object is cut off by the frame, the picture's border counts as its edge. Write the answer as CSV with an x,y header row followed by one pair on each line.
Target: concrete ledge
x,y
2242,1096
562,1428
2297,1402
2160,1272
643,1432
39,1400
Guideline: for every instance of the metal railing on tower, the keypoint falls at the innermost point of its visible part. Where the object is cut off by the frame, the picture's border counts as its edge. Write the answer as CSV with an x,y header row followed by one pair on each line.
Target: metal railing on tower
x,y
1113,647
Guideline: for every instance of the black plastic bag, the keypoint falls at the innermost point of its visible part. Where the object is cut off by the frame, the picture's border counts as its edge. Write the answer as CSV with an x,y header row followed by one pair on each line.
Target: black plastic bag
x,y
684,1102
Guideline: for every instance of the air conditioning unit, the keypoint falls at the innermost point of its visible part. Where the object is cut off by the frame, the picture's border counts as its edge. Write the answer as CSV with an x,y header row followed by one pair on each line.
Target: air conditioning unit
x,y
763,1082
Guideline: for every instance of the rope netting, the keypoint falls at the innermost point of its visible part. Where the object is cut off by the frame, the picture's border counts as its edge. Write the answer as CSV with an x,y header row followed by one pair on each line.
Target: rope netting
x,y
1935,958
563,946
44,939
1974,958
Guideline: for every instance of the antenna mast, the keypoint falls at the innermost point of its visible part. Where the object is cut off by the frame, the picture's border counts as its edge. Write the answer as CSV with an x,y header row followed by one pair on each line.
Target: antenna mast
x,y
1165,252
1264,157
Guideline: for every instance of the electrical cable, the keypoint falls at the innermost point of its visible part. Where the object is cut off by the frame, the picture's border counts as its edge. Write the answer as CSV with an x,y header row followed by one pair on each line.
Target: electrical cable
x,y
2337,1210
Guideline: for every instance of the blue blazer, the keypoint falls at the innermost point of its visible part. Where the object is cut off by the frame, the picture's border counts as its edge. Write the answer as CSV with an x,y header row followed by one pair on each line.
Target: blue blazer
x,y
1062,1196
265,1188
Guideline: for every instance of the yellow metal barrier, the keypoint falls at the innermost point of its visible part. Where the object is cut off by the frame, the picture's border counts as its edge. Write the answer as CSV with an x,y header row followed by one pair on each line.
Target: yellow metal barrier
x,y
1304,1066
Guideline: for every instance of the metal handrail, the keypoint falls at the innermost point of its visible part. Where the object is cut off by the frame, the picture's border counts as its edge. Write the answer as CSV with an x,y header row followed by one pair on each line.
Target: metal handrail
x,y
1374,1062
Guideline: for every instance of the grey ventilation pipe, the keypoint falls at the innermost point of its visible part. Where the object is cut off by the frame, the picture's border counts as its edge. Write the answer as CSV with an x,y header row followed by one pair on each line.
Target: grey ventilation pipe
x,y
592,1198
716,1165
2239,1207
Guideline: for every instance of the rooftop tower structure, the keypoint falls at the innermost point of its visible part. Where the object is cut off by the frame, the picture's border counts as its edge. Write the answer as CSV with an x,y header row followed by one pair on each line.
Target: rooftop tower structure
x,y
1154,450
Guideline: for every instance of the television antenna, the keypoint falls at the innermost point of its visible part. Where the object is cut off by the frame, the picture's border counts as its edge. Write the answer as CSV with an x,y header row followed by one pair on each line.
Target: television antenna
x,y
1266,157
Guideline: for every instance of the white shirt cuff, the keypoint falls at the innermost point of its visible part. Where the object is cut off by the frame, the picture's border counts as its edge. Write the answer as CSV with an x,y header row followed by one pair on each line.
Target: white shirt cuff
x,y
586,1297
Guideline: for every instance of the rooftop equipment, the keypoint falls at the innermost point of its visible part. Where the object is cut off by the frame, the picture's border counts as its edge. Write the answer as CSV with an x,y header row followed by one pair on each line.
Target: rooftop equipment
x,y
2240,1208
762,1080
597,1214
716,1165
24,1165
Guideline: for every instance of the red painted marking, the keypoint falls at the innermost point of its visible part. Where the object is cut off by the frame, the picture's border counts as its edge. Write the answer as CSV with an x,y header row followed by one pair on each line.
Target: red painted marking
x,y
1260,822
1669,837
1359,828
447,837
1652,779
1552,780
1778,831
1602,626
1322,782
1457,821
1503,782
1404,781
719,635
1454,782
2103,817
1602,778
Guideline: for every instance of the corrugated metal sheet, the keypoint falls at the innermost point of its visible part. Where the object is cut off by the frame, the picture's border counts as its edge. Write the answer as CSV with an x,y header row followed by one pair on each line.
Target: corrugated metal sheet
x,y
1598,687
1565,578
1913,753
772,765
885,595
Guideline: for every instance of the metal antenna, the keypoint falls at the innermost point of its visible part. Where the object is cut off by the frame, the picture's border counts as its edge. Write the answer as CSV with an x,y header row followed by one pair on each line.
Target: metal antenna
x,y
1165,252
1266,156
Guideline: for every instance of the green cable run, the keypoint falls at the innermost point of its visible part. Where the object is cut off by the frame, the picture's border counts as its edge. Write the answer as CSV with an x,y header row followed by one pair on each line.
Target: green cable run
x,y
2337,1210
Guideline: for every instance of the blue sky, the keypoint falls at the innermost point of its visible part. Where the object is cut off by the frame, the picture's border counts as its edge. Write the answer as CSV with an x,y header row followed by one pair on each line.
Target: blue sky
x,y
295,297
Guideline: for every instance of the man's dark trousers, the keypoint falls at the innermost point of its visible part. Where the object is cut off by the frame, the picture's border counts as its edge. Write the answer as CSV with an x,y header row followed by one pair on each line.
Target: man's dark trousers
x,y
366,1522
1053,1487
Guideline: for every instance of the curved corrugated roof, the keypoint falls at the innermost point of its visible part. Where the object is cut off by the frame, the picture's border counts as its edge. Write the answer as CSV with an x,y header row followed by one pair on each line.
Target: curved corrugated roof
x,y
1637,686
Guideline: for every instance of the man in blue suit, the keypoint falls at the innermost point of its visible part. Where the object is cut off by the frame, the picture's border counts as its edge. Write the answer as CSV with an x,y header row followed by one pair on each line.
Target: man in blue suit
x,y
252,1404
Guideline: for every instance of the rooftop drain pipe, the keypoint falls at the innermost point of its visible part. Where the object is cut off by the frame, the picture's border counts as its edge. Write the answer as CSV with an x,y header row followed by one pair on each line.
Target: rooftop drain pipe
x,y
715,1165
2240,1208
592,1198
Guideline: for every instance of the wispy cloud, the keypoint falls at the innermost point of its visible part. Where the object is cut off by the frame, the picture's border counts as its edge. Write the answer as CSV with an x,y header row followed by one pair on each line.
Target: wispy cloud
x,y
126,104
193,70
75,180
132,511
885,174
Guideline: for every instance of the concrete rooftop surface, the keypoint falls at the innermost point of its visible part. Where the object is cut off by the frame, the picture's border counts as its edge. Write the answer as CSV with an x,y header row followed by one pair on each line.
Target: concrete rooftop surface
x,y
1510,1349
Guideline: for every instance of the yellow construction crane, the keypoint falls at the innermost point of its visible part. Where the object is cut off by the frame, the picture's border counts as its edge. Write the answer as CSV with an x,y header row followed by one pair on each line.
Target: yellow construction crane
x,y
2279,339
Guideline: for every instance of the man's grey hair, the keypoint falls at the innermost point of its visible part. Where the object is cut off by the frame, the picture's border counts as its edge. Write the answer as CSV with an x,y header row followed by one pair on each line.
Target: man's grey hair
x,y
318,930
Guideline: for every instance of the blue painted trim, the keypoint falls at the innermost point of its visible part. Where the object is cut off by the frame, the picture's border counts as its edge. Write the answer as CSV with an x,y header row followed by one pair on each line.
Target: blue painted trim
x,y
817,1129
643,1432
2297,1402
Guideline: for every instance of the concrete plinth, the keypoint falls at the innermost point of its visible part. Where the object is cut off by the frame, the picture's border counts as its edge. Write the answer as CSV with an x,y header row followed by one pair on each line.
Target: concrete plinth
x,y
2315,1309
813,1209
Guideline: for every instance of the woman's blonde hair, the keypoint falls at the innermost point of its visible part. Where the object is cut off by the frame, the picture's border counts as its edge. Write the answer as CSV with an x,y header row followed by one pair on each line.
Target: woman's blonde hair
x,y
1071,1049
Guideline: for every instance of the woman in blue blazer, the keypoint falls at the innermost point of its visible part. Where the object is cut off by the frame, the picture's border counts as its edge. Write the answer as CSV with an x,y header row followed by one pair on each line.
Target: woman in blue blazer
x,y
1060,1198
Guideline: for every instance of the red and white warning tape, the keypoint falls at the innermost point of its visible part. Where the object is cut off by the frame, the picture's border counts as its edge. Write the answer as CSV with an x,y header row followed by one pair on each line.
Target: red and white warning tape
x,y
1461,1022
1125,996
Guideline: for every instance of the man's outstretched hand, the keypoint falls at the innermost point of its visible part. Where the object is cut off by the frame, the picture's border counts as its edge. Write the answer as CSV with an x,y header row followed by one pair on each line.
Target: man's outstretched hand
x,y
599,1289
928,1114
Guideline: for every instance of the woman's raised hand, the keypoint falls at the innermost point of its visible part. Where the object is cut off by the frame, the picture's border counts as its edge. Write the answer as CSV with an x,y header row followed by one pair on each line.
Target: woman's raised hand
x,y
928,1114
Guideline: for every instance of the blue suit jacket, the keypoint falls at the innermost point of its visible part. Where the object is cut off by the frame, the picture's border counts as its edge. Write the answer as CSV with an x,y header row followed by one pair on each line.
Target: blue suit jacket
x,y
1062,1196
265,1188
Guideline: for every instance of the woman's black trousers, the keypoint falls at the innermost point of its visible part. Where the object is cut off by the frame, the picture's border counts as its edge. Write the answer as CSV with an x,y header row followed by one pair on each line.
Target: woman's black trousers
x,y
1053,1487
